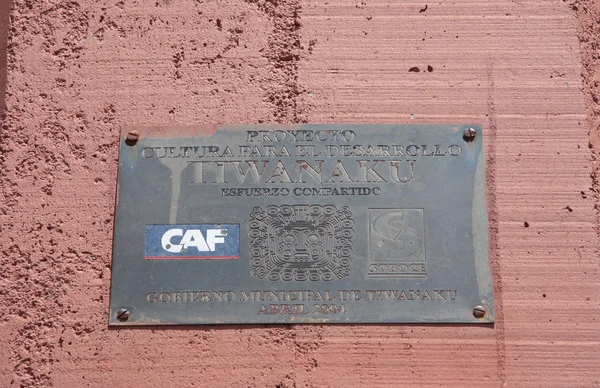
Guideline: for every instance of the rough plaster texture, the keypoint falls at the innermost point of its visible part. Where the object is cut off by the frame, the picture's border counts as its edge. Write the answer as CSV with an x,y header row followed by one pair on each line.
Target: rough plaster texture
x,y
80,70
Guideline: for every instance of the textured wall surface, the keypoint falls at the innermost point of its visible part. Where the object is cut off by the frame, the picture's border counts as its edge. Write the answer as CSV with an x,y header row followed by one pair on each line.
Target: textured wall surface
x,y
80,70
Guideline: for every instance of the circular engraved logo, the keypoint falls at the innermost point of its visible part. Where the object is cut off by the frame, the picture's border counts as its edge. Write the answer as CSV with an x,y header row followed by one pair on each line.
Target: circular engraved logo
x,y
301,242
397,238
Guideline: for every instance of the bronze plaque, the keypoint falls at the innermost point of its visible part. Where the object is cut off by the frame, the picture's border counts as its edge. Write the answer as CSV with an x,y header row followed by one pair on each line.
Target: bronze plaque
x,y
301,224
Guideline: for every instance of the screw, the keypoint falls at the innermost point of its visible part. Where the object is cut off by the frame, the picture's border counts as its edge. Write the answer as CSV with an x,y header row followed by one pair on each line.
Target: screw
x,y
122,315
479,311
469,134
132,137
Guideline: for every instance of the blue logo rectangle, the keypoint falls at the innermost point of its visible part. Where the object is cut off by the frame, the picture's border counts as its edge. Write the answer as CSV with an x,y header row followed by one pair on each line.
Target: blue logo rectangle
x,y
192,242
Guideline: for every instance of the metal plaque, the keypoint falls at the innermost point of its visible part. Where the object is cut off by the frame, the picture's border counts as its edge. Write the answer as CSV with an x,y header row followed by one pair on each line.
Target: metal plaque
x,y
301,224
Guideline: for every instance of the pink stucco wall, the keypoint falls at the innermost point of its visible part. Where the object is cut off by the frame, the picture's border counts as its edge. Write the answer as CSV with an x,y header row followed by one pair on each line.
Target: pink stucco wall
x,y
78,71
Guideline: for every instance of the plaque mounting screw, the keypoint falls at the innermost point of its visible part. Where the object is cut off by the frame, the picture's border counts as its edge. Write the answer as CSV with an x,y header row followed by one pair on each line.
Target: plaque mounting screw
x,y
479,311
469,134
122,315
132,137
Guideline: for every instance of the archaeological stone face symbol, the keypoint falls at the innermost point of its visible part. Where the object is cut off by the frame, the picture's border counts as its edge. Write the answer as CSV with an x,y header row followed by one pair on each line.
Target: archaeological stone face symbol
x,y
301,242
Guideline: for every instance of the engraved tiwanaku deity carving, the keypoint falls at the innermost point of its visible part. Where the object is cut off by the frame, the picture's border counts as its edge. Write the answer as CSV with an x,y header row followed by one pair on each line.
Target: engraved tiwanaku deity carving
x,y
301,242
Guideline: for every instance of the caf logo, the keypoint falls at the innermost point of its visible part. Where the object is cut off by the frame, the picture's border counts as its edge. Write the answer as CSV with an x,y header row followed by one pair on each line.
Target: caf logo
x,y
192,238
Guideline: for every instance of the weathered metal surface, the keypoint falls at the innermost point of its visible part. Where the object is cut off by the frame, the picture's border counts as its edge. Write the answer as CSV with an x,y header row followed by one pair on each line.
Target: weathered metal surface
x,y
301,224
